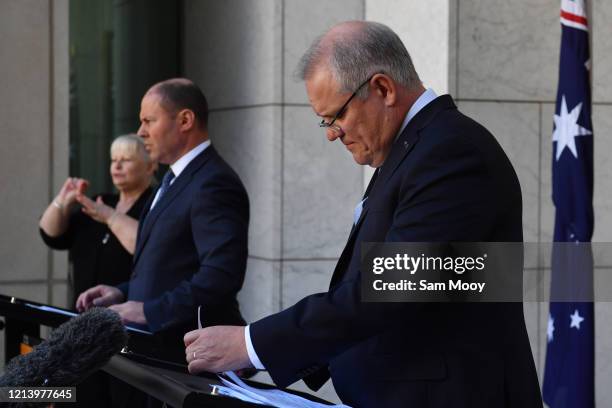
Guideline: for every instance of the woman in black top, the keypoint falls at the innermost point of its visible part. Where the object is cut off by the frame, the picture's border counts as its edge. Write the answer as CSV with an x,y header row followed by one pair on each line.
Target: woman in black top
x,y
101,235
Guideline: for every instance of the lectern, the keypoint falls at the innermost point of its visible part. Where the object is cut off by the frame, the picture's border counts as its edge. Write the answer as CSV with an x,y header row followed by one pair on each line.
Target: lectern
x,y
142,364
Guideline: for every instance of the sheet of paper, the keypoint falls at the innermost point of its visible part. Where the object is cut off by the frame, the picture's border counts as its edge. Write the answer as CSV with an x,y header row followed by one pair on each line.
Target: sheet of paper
x,y
46,308
274,397
52,309
221,390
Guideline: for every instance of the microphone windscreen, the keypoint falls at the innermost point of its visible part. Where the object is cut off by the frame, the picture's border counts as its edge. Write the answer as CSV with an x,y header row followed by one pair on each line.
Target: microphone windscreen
x,y
72,352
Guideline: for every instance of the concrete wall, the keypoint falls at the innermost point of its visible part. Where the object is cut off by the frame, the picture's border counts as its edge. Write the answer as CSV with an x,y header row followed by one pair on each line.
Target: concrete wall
x,y
34,134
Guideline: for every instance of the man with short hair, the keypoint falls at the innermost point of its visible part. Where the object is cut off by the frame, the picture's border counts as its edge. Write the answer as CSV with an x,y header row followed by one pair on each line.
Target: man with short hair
x,y
440,177
191,248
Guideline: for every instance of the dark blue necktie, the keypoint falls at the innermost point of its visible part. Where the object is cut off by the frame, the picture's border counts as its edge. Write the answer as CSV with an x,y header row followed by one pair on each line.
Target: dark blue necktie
x,y
168,177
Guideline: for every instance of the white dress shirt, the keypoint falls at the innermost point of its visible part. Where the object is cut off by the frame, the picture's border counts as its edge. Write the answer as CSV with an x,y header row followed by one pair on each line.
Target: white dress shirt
x,y
178,166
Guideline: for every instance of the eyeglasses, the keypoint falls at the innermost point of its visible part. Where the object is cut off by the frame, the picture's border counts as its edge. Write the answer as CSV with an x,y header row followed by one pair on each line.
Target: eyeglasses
x,y
330,125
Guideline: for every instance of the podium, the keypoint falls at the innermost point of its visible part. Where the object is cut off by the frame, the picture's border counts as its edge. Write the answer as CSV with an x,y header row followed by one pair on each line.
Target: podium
x,y
173,385
24,318
142,364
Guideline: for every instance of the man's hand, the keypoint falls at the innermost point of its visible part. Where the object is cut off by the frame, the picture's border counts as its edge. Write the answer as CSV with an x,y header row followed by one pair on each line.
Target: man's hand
x,y
130,312
216,349
101,295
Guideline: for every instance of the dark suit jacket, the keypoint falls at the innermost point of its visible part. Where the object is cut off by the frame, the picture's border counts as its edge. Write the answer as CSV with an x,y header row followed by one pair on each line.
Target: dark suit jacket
x,y
445,179
191,249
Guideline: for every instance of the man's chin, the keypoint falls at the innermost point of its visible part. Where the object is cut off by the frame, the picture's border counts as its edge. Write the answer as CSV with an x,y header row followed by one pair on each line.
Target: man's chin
x,y
362,160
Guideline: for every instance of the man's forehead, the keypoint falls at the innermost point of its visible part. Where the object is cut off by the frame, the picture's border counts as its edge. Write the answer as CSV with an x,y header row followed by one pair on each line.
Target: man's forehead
x,y
323,91
149,104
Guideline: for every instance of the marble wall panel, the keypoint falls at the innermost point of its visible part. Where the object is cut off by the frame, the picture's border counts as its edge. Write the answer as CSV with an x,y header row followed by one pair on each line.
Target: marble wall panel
x,y
532,322
547,209
603,354
250,141
601,43
508,50
303,21
59,295
36,291
321,186
516,127
61,99
233,50
25,130
425,29
259,296
602,190
303,278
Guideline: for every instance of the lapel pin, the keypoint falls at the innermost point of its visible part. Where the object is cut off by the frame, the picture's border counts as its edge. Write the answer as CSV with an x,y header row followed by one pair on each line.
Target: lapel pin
x,y
406,144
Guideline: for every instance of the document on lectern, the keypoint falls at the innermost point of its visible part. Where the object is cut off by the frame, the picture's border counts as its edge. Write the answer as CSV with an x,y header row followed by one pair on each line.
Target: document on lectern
x,y
236,388
47,308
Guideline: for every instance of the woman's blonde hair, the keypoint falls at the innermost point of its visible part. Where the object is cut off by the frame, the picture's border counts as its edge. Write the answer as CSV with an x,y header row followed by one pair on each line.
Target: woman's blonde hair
x,y
132,144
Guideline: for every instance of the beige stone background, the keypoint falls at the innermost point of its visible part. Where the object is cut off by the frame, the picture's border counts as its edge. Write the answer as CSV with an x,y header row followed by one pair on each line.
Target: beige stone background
x,y
498,59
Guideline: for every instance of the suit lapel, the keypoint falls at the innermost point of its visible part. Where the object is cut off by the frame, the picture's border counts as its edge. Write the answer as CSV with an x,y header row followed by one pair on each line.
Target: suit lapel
x,y
400,149
149,216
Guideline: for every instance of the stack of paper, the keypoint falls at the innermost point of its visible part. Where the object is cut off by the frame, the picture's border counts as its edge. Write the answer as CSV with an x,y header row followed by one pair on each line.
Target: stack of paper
x,y
237,388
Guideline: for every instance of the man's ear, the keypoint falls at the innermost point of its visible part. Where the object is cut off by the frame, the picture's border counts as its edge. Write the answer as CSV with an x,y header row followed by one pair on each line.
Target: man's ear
x,y
385,88
186,119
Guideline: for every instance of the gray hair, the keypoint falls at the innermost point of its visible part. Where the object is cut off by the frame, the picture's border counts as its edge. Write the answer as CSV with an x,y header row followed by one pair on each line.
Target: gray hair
x,y
131,143
355,56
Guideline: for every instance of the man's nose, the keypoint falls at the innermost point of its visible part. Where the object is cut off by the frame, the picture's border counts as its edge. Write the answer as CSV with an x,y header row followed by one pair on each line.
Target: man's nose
x,y
140,132
334,133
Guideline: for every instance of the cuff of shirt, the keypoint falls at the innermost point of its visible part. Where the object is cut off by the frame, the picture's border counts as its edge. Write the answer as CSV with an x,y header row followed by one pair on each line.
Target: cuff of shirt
x,y
251,350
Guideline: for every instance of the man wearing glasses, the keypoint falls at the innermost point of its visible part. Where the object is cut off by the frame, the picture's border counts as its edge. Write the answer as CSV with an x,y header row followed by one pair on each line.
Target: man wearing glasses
x,y
440,177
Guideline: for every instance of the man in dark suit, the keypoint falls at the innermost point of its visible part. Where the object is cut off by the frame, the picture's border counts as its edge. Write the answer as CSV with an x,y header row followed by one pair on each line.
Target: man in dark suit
x,y
440,177
191,248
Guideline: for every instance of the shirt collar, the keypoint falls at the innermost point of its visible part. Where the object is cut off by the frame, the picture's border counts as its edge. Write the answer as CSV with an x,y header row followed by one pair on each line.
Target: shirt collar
x,y
422,101
180,165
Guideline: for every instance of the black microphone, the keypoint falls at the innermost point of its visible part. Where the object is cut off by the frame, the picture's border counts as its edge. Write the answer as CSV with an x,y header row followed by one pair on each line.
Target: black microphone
x,y
73,351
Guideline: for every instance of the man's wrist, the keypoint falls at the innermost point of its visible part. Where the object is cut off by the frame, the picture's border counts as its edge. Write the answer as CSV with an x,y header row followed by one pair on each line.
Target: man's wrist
x,y
253,357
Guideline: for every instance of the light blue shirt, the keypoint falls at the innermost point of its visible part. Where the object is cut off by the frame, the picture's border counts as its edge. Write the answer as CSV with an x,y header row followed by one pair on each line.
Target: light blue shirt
x,y
180,165
425,99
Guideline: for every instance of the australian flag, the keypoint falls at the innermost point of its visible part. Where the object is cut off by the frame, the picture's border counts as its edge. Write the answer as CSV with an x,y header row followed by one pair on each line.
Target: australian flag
x,y
570,364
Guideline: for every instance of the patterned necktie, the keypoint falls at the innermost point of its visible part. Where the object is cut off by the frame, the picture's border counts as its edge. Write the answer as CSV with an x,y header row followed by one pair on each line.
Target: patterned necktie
x,y
168,177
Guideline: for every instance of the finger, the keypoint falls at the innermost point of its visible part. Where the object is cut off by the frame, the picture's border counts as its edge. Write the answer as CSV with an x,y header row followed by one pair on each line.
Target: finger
x,y
199,365
191,336
84,200
79,303
105,300
189,354
87,301
81,185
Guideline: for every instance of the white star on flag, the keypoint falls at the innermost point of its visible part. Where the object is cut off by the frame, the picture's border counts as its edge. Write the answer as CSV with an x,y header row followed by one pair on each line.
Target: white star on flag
x,y
566,129
550,330
576,320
